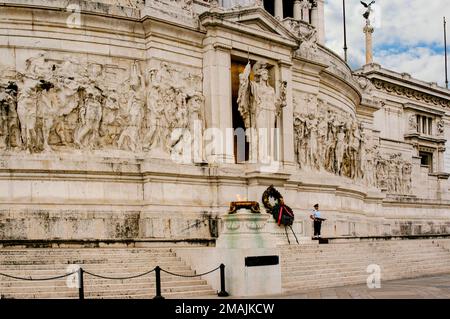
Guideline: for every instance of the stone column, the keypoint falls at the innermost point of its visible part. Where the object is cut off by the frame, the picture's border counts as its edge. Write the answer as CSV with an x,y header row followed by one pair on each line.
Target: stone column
x,y
297,10
419,125
440,161
305,10
287,119
368,31
217,91
279,9
318,20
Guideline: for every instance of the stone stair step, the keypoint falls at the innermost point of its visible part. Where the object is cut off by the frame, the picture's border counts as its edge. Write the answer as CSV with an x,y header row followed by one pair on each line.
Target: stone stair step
x,y
339,264
321,266
111,272
91,281
352,254
332,264
150,264
89,288
94,259
43,263
168,295
75,254
94,267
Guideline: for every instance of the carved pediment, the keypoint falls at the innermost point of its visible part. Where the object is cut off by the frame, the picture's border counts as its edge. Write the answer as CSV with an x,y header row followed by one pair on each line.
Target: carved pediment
x,y
260,25
254,20
261,20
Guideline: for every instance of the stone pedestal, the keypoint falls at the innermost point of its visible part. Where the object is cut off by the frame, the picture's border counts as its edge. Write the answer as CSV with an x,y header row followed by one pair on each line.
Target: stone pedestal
x,y
245,235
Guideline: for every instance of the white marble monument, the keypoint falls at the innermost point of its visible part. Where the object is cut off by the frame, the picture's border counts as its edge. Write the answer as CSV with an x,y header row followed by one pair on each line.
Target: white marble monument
x,y
129,135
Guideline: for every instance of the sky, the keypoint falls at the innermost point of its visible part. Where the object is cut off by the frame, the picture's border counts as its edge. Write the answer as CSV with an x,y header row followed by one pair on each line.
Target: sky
x,y
408,36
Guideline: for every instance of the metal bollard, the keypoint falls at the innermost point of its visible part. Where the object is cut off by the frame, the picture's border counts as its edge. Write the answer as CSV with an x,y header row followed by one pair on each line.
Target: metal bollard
x,y
222,292
80,283
158,283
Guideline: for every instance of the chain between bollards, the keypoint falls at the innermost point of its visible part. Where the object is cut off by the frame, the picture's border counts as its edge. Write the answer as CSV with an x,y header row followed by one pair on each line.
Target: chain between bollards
x,y
80,284
158,283
222,292
157,270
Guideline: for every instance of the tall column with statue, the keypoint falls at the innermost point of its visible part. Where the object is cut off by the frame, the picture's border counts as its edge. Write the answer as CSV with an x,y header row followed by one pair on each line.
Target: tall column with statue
x,y
368,31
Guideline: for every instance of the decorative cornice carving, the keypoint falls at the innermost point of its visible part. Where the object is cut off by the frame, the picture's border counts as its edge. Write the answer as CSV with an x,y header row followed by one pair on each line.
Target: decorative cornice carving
x,y
410,93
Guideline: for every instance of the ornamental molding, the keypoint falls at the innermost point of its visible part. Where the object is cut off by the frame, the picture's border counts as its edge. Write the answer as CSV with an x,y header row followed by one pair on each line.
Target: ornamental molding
x,y
410,93
419,108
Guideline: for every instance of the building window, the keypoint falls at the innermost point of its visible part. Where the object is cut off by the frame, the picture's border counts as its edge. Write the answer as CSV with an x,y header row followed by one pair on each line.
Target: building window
x,y
269,5
288,8
424,125
241,145
426,160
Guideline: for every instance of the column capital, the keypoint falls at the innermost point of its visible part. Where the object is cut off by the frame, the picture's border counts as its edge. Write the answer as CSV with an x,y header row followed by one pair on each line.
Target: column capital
x,y
222,47
285,63
368,29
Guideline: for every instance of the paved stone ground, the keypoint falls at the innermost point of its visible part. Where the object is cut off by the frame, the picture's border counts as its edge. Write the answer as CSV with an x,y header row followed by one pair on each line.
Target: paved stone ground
x,y
435,287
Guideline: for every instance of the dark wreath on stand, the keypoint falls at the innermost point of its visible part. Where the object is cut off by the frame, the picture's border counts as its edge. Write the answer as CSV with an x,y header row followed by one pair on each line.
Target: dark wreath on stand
x,y
282,213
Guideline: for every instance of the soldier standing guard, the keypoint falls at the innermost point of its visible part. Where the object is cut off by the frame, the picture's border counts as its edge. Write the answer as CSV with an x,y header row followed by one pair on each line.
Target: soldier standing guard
x,y
316,216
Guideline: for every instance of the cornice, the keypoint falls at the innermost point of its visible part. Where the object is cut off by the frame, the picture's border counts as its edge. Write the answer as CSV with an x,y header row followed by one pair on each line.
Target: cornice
x,y
226,21
410,93
415,107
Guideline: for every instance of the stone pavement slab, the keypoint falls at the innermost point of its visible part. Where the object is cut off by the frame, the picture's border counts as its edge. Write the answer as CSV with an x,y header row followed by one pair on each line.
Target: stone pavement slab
x,y
435,287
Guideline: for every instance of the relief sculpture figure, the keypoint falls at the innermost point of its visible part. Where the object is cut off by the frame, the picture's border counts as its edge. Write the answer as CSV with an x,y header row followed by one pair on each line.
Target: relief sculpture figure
x,y
259,106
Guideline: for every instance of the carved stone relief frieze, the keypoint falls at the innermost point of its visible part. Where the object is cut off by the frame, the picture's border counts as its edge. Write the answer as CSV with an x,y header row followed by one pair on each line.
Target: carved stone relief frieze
x,y
393,174
440,127
69,104
412,123
179,9
174,107
326,139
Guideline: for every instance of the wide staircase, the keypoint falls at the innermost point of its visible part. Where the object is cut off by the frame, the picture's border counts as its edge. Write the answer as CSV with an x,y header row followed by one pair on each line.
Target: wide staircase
x,y
106,262
312,266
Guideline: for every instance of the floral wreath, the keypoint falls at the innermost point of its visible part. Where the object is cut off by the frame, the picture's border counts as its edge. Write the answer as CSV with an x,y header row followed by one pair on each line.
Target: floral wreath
x,y
271,192
282,213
